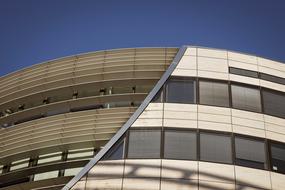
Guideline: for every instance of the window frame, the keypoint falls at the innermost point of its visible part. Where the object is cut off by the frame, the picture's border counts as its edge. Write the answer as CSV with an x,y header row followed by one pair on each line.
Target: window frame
x,y
252,138
262,89
214,81
181,78
258,88
217,133
270,163
127,141
190,130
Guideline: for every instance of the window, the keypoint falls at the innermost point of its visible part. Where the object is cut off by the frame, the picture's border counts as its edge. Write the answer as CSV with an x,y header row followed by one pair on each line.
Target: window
x,y
180,145
215,148
72,171
180,90
246,98
24,163
158,97
250,153
274,103
80,153
144,144
243,72
272,78
116,152
46,175
277,157
214,93
47,158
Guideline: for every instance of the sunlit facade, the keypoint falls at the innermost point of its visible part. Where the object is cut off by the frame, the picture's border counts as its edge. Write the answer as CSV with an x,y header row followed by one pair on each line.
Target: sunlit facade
x,y
145,119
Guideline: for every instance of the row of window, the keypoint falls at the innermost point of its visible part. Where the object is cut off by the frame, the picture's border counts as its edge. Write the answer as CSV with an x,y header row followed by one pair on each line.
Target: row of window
x,y
41,160
201,145
255,74
66,109
222,93
74,95
49,158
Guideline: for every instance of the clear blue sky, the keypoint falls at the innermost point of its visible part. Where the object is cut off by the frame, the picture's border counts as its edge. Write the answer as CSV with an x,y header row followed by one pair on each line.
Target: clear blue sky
x,y
33,31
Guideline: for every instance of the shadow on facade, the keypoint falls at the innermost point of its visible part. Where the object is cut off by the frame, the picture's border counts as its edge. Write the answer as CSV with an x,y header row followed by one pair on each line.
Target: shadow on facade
x,y
185,177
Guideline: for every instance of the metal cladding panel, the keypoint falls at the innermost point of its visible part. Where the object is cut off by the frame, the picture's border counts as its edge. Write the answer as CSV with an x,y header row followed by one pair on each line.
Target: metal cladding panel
x,y
132,119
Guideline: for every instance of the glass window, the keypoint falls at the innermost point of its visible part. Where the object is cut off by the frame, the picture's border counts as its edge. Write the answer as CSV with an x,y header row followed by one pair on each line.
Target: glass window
x,y
24,163
72,171
278,157
80,153
215,148
272,78
246,98
46,175
47,158
144,144
158,97
243,72
274,103
180,145
116,152
214,93
180,90
250,153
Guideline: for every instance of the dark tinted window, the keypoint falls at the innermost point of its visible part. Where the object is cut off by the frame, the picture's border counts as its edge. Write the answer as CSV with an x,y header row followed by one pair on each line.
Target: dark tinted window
x,y
214,93
144,144
274,103
272,78
250,153
246,98
180,145
180,90
215,148
158,97
243,72
278,157
116,152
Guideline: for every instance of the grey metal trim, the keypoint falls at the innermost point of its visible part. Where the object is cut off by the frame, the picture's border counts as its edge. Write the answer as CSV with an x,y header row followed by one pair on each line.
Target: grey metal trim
x,y
131,120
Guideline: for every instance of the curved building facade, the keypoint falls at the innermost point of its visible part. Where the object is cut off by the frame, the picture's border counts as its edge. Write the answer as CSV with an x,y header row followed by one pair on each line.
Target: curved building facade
x,y
145,119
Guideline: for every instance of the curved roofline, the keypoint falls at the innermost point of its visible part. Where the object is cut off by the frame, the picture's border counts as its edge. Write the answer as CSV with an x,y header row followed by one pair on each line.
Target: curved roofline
x,y
76,55
235,51
129,48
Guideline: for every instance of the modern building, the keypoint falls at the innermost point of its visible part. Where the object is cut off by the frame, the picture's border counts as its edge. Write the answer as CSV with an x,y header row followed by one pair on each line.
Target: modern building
x,y
145,119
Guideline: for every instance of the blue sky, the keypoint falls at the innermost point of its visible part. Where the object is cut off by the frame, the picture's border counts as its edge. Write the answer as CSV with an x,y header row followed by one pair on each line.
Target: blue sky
x,y
33,31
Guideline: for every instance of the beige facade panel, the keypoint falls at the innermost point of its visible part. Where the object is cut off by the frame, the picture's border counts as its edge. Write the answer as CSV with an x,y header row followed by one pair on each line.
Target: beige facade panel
x,y
188,63
213,75
178,184
216,172
139,168
242,57
113,169
150,174
183,169
245,80
212,64
271,85
141,183
277,181
209,185
191,51
213,53
252,177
